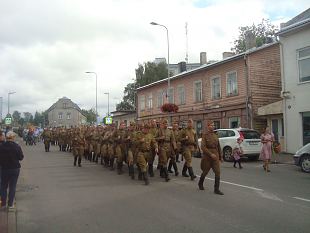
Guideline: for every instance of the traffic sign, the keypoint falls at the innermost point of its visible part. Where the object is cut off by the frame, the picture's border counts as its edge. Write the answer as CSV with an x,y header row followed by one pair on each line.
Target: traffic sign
x,y
8,120
108,120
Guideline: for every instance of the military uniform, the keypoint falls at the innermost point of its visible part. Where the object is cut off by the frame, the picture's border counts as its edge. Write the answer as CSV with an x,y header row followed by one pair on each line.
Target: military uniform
x,y
78,144
154,132
211,158
190,144
47,136
130,142
119,146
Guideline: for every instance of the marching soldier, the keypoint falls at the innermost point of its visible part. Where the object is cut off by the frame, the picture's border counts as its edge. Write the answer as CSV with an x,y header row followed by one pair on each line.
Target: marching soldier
x,y
78,144
146,143
211,157
176,152
154,132
167,144
119,139
131,148
190,145
47,136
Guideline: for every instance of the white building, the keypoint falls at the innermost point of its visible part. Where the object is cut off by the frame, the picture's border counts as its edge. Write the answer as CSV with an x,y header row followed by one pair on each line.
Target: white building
x,y
295,64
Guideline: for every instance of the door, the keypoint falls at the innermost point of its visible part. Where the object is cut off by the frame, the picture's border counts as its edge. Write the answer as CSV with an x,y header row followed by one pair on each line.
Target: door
x,y
275,129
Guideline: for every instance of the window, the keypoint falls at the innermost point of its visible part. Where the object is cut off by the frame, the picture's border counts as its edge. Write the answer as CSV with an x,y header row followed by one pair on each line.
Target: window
x,y
60,115
231,82
225,133
150,102
142,103
216,88
197,91
304,64
181,94
199,128
68,115
234,122
171,95
160,98
217,124
65,105
306,127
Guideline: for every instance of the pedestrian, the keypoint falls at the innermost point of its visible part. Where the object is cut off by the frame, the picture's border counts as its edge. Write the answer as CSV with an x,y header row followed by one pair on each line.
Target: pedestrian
x,y
237,153
211,158
267,138
10,156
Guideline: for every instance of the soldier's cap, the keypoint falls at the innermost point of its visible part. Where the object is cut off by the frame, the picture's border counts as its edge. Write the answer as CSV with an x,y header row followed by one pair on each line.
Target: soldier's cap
x,y
132,123
164,121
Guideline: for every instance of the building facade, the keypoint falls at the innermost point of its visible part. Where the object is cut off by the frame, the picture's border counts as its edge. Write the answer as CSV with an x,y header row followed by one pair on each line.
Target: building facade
x,y
65,113
295,61
123,116
229,92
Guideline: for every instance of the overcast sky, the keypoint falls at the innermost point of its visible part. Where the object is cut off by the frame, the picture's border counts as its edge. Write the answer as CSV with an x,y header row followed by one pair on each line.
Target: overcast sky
x,y
47,46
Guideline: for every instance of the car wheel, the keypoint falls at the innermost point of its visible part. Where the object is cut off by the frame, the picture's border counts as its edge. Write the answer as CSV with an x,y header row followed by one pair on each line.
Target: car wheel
x,y
305,163
227,152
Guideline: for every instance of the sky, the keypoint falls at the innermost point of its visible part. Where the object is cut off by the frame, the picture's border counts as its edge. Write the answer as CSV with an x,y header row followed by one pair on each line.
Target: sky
x,y
47,46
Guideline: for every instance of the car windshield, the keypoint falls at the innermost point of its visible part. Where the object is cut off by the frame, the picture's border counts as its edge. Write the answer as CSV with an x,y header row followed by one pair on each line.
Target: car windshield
x,y
250,134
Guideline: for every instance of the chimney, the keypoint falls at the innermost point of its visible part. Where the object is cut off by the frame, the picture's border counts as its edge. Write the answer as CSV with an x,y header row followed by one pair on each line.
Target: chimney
x,y
203,58
182,66
227,54
250,40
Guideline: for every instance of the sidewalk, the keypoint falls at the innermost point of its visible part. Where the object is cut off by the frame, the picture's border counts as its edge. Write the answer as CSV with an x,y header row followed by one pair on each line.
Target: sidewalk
x,y
283,158
7,221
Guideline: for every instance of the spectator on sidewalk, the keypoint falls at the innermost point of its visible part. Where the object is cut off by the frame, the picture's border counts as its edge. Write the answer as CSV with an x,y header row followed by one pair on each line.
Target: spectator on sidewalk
x,y
10,155
237,153
267,138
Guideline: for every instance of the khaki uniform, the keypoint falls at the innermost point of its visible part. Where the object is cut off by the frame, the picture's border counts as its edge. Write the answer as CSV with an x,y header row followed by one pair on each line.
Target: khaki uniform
x,y
47,136
119,146
78,146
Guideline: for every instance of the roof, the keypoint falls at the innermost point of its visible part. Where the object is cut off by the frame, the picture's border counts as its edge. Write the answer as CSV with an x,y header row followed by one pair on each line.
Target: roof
x,y
211,65
297,22
75,106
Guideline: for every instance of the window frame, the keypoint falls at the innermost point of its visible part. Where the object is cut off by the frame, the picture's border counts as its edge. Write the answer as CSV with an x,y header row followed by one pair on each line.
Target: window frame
x,y
179,96
68,115
212,89
168,93
150,101
60,116
227,77
230,121
301,59
194,91
142,106
160,95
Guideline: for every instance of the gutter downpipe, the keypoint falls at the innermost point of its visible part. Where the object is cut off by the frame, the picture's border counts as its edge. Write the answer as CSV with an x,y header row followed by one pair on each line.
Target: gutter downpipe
x,y
283,90
246,74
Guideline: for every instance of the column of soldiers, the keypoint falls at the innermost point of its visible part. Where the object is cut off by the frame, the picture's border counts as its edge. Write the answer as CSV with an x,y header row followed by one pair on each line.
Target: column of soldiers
x,y
139,145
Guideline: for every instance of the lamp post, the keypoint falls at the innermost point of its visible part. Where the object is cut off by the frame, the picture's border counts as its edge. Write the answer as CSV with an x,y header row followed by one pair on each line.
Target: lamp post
x,y
107,93
90,72
157,24
1,99
10,93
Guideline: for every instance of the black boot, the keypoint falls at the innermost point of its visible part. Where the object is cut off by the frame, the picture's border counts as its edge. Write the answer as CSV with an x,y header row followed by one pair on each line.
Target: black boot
x,y
217,186
119,168
132,172
150,168
145,178
79,161
184,170
200,183
170,166
175,167
139,173
106,161
112,164
191,173
101,160
166,174
97,158
161,173
75,159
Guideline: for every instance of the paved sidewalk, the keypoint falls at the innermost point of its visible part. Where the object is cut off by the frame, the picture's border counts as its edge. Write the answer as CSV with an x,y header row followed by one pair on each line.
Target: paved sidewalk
x,y
284,158
7,221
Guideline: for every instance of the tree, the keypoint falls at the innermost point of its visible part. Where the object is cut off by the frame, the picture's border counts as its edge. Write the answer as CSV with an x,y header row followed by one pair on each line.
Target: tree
x,y
90,115
263,32
16,116
28,117
145,74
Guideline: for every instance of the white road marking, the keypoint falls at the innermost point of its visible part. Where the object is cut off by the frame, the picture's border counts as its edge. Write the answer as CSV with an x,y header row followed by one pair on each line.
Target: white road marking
x,y
270,196
239,185
302,199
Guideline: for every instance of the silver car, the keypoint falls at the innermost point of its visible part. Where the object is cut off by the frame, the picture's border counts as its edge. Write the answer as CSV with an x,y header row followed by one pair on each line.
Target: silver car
x,y
302,158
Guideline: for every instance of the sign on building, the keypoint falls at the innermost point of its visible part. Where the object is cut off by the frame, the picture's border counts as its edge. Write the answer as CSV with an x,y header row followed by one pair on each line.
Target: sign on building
x,y
8,120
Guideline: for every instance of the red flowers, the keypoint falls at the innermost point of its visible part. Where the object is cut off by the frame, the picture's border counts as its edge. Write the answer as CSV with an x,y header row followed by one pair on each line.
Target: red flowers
x,y
169,108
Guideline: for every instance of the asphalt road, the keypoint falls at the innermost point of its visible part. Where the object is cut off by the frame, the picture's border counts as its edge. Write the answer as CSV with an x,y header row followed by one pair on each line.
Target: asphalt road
x,y
55,197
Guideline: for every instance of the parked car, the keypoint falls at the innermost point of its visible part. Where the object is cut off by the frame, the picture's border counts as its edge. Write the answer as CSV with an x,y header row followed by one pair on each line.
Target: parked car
x,y
251,144
302,158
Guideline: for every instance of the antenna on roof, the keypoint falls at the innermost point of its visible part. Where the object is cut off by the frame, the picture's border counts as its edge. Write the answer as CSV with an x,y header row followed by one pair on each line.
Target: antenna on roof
x,y
186,57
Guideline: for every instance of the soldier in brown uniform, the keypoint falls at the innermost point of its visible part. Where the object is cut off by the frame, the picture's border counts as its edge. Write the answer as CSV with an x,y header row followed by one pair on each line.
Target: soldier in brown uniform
x,y
78,144
47,136
167,145
131,148
111,146
119,146
211,157
177,151
190,145
146,142
154,132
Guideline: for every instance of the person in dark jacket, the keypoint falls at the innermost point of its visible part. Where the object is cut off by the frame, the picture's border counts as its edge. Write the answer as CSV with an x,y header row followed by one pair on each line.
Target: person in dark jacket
x,y
10,155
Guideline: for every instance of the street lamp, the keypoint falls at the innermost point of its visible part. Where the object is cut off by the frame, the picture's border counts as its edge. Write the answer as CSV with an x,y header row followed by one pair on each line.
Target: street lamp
x,y
90,72
157,24
1,98
10,93
107,93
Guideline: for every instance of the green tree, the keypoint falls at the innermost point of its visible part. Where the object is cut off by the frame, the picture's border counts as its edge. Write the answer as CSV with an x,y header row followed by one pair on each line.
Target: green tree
x,y
263,32
16,116
90,115
28,117
145,74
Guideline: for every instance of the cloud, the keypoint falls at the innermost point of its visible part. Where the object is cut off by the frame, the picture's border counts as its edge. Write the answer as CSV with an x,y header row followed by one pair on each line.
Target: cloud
x,y
46,46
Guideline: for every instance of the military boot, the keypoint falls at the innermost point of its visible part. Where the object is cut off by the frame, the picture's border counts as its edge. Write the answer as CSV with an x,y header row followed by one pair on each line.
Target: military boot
x,y
166,174
139,173
119,168
112,164
217,186
145,178
191,173
150,169
184,170
131,172
170,166
75,159
161,172
175,167
200,183
79,161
